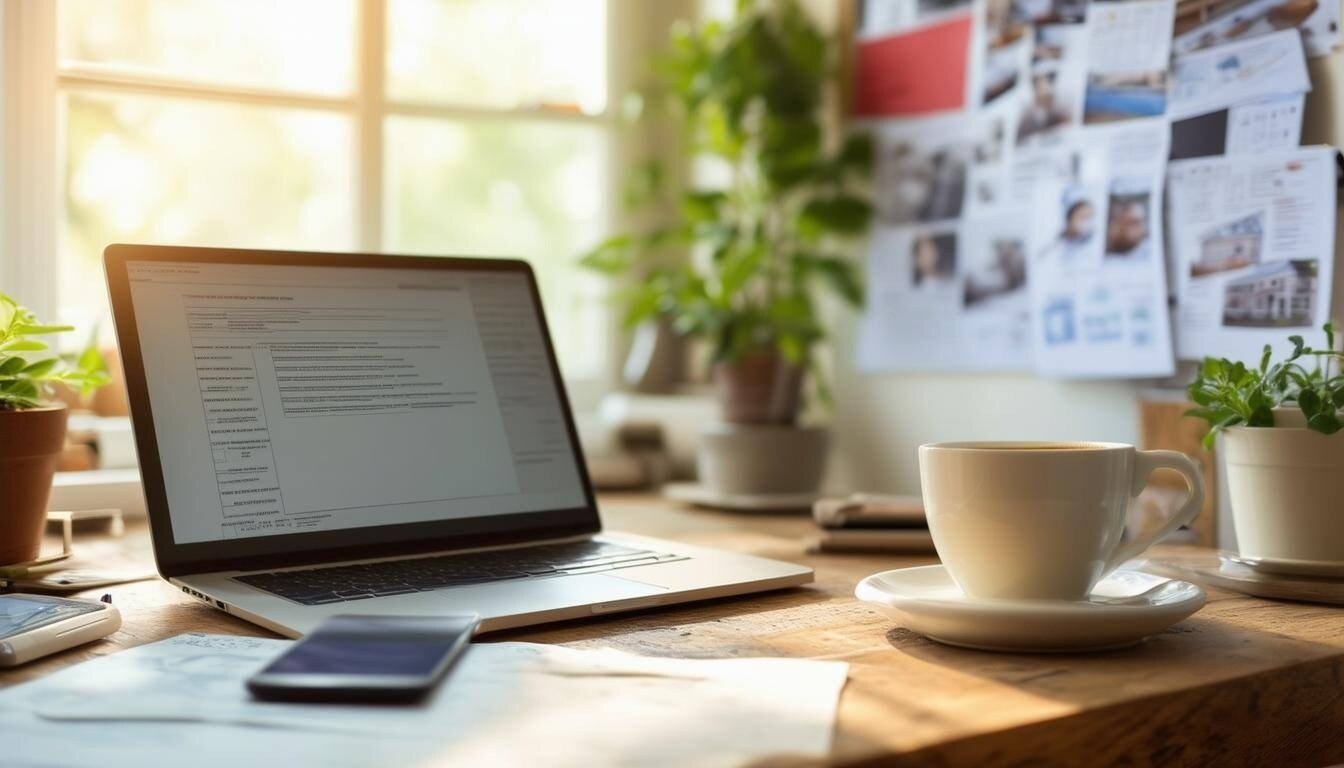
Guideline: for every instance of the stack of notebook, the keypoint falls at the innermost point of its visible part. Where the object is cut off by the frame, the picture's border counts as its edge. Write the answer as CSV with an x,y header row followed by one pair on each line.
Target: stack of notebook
x,y
864,522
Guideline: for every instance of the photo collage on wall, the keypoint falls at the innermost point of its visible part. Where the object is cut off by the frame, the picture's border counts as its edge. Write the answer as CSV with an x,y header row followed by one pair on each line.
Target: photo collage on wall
x,y
1025,154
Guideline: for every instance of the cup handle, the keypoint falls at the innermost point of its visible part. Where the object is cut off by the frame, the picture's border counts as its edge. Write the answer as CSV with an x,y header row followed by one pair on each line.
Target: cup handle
x,y
1145,463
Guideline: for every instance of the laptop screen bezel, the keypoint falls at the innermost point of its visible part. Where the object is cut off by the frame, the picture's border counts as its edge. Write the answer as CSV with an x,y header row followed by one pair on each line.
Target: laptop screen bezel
x,y
177,559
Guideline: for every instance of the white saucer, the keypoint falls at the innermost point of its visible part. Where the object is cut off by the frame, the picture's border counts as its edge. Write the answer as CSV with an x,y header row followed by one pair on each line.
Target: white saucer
x,y
704,496
1125,608
1325,568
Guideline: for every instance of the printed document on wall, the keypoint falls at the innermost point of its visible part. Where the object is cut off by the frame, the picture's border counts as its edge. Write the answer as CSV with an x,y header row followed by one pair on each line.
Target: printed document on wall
x,y
1205,23
1253,242
1129,45
1218,78
948,296
1096,269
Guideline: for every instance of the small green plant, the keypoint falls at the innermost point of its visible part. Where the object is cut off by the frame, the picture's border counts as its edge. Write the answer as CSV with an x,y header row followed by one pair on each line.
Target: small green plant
x,y
750,94
28,366
1230,393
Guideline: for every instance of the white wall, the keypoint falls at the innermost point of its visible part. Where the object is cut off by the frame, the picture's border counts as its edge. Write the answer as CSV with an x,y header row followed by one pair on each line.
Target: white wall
x,y
880,420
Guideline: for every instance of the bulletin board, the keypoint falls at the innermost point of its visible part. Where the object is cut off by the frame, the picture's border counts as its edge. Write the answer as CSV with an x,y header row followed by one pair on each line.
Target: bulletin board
x,y
1090,189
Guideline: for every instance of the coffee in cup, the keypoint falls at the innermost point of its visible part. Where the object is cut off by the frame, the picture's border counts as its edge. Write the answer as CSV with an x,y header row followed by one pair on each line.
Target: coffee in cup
x,y
1041,520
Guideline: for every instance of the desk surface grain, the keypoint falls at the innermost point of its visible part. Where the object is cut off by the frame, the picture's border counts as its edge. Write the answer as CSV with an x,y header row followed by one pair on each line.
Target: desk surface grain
x,y
1243,682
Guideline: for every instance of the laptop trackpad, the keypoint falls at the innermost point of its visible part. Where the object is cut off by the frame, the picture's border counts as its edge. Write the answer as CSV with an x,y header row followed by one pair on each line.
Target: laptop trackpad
x,y
528,596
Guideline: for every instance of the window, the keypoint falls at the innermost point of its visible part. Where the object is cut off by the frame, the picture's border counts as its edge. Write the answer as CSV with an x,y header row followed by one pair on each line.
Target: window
x,y
476,127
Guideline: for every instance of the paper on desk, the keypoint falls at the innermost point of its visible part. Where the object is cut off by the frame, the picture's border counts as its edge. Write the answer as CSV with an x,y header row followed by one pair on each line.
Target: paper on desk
x,y
504,703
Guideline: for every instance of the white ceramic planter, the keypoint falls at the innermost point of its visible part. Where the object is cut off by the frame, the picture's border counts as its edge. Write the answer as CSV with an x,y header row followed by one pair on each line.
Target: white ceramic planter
x,y
1286,487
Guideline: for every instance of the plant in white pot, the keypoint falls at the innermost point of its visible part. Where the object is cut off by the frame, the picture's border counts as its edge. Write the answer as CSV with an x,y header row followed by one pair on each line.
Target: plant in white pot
x,y
763,246
1283,451
32,425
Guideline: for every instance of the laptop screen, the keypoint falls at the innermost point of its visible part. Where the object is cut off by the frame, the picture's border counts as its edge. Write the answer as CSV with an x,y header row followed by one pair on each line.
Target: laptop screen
x,y
292,399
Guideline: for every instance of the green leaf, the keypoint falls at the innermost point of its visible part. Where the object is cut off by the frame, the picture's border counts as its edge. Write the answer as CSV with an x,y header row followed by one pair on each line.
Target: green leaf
x,y
23,345
857,153
1298,345
643,185
838,274
842,214
38,329
91,360
40,368
612,256
700,207
11,366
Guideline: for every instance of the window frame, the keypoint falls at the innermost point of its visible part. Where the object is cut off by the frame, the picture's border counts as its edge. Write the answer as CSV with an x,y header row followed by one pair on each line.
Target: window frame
x,y
31,128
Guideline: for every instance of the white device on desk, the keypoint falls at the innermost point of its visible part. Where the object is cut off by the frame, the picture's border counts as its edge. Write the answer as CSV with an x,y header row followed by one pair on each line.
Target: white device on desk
x,y
33,626
326,434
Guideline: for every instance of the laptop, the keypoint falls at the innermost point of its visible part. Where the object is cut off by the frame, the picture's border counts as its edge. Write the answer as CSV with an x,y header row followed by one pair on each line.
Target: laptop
x,y
328,433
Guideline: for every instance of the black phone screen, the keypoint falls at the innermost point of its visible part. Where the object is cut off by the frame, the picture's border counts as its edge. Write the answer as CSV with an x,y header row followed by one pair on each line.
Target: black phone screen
x,y
360,645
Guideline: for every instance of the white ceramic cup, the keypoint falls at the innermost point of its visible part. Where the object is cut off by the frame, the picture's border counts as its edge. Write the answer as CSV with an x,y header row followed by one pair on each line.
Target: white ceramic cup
x,y
1041,520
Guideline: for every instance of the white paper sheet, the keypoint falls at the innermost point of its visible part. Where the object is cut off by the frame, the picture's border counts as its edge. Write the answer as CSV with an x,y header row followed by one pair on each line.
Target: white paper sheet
x,y
1265,125
1230,20
182,701
948,297
1216,78
1096,272
1253,249
940,168
1052,104
1129,45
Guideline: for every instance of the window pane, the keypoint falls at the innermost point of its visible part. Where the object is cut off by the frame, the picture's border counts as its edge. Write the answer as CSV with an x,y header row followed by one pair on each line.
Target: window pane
x,y
503,54
149,170
535,190
294,45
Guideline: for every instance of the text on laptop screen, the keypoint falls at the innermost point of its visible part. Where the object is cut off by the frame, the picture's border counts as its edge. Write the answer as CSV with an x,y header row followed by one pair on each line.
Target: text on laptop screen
x,y
292,399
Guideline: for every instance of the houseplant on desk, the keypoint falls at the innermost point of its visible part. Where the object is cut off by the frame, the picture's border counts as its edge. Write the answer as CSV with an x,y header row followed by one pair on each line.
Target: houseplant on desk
x,y
762,246
1284,449
32,427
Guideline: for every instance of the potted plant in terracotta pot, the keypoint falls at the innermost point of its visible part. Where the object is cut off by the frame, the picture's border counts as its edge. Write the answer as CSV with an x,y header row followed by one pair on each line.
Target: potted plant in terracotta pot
x,y
742,264
1284,453
32,425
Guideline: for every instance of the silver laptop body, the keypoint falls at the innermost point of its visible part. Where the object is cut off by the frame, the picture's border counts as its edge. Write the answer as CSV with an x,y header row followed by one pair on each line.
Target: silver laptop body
x,y
326,433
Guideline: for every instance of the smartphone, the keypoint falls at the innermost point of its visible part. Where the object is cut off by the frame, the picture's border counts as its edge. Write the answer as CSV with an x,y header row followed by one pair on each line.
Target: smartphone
x,y
367,659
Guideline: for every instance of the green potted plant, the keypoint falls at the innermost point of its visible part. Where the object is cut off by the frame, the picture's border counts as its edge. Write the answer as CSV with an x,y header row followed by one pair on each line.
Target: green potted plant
x,y
1283,452
32,426
741,265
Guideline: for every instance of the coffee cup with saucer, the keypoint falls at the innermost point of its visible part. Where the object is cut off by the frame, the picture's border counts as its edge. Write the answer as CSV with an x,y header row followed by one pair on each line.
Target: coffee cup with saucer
x,y
1031,536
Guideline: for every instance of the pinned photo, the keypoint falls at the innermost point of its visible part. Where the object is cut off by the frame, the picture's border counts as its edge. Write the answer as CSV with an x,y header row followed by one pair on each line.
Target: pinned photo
x,y
933,261
928,179
1115,96
1046,110
1002,271
1007,48
1277,295
1078,240
1057,321
1129,222
1051,11
1231,246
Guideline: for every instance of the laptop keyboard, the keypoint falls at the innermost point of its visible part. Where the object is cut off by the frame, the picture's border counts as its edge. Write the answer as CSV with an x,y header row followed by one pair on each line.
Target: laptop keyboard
x,y
342,583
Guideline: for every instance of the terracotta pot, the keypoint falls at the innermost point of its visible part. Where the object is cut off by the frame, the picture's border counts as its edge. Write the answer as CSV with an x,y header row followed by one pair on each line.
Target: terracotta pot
x,y
30,447
761,388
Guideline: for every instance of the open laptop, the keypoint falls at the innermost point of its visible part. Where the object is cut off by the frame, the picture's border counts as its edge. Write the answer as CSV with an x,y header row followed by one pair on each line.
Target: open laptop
x,y
325,433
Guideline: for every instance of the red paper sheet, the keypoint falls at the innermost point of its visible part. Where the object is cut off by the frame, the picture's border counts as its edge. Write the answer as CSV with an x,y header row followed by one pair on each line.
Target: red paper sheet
x,y
913,72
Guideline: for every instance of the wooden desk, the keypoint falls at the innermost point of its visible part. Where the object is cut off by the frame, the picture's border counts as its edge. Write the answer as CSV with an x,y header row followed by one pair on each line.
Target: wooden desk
x,y
1243,682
